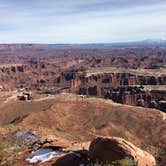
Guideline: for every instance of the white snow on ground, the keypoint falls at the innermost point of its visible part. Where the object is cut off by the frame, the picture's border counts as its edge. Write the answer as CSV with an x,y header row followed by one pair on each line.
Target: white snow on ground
x,y
43,155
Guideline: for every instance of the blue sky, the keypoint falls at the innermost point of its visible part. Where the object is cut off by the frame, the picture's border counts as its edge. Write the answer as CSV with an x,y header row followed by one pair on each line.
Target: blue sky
x,y
81,21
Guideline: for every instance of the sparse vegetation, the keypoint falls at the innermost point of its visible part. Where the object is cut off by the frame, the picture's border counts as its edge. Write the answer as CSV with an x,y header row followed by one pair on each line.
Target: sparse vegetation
x,y
161,157
124,162
4,157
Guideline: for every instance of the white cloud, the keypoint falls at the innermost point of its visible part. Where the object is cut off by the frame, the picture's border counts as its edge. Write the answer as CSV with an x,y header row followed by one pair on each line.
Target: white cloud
x,y
58,24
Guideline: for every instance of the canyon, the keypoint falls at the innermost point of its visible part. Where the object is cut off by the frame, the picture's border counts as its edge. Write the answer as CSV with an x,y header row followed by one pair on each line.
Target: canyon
x,y
127,86
61,98
134,76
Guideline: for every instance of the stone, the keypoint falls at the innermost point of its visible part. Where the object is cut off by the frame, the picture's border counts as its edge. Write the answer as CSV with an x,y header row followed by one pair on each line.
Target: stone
x,y
113,148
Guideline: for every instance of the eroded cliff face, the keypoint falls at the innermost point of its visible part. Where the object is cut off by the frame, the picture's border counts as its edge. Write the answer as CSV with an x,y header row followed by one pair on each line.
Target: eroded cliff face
x,y
23,75
125,75
35,75
126,88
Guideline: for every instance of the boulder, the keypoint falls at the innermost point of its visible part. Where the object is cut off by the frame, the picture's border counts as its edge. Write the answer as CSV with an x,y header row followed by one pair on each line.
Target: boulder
x,y
69,159
113,148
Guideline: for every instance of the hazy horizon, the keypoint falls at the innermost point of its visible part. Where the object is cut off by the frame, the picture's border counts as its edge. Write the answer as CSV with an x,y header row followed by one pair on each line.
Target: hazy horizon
x,y
81,21
150,41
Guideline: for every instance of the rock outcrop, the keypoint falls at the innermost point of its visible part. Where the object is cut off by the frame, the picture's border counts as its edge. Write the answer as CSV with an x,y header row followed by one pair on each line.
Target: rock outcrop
x,y
69,159
111,149
144,88
107,150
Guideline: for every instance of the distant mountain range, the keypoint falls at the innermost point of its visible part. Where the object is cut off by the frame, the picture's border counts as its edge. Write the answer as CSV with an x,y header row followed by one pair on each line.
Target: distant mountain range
x,y
147,42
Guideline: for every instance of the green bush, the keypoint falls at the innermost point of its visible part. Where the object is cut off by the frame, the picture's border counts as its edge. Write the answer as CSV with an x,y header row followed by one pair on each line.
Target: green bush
x,y
124,162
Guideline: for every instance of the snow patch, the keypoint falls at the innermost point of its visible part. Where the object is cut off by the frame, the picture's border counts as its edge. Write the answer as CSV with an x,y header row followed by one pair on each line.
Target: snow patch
x,y
43,155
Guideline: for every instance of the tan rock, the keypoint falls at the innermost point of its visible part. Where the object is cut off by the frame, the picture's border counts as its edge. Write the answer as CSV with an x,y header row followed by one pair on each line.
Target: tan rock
x,y
78,146
113,148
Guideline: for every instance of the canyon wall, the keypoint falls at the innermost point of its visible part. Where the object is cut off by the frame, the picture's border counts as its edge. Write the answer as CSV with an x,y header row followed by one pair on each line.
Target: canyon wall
x,y
127,75
125,88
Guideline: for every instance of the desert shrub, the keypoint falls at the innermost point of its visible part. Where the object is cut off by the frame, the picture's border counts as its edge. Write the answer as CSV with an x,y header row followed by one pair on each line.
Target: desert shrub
x,y
4,157
2,153
124,162
160,157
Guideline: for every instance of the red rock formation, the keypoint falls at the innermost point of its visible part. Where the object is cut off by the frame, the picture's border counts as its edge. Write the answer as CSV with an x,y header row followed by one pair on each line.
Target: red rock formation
x,y
124,88
112,149
57,68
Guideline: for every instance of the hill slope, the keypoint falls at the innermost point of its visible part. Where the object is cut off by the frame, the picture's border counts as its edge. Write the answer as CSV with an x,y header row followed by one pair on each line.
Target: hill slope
x,y
73,118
